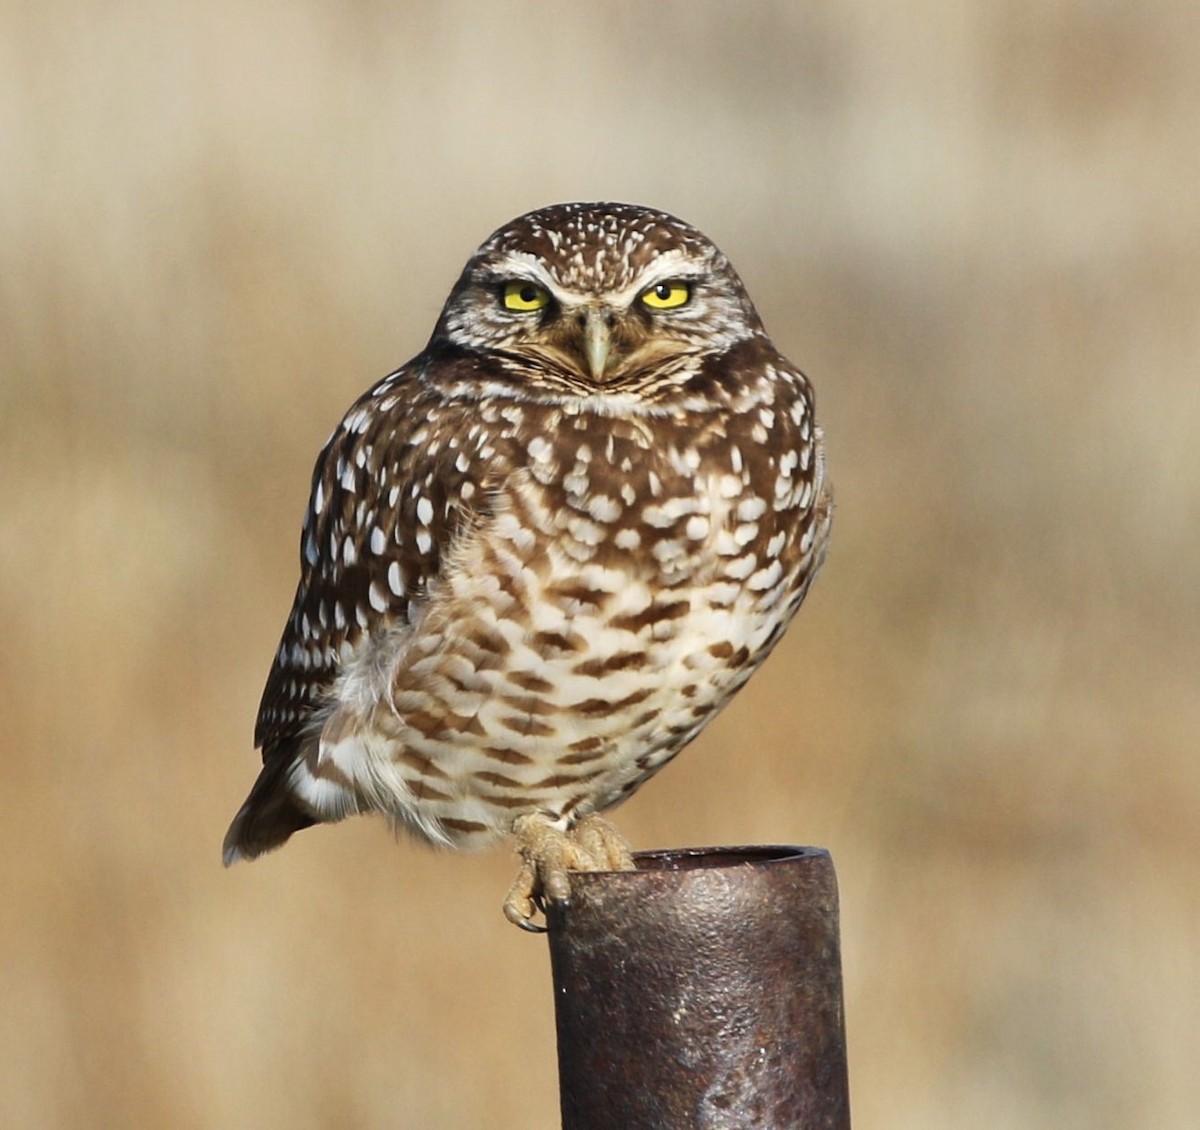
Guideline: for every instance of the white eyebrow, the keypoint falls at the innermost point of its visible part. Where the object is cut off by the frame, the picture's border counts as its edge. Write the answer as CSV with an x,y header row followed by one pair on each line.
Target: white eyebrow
x,y
521,264
671,264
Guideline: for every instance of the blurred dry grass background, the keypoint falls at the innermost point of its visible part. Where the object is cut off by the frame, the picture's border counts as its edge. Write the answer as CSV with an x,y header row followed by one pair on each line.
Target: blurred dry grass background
x,y
976,226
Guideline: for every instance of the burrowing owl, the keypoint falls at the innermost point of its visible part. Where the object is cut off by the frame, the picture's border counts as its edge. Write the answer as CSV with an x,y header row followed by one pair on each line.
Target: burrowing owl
x,y
542,555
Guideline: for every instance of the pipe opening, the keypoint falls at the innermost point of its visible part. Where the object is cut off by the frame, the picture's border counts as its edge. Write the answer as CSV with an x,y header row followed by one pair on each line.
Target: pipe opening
x,y
694,859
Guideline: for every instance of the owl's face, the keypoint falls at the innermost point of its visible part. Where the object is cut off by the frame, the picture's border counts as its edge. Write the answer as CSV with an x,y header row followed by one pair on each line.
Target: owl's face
x,y
598,297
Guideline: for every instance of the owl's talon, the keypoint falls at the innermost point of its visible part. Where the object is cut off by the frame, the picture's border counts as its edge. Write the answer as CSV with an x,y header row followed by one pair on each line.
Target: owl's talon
x,y
519,903
530,927
555,886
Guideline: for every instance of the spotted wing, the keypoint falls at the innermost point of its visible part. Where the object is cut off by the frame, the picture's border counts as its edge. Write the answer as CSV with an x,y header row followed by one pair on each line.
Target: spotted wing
x,y
394,486
391,490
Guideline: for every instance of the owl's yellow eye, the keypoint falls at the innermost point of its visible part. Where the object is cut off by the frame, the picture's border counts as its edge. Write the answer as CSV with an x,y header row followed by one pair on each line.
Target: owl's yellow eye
x,y
524,296
667,295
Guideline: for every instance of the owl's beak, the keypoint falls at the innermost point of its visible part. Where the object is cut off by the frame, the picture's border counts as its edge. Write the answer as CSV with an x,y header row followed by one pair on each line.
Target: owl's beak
x,y
597,340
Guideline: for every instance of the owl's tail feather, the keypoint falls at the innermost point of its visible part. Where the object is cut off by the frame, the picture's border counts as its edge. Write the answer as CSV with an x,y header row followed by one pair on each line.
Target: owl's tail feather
x,y
269,816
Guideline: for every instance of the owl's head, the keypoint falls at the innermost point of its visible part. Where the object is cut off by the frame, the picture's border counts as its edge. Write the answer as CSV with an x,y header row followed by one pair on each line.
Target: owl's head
x,y
598,297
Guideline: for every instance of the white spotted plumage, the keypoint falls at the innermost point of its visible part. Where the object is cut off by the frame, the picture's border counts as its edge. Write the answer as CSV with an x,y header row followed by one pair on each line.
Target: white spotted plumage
x,y
533,567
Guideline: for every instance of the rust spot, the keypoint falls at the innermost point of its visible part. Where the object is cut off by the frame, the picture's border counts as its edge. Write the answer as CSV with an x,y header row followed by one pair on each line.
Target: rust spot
x,y
722,650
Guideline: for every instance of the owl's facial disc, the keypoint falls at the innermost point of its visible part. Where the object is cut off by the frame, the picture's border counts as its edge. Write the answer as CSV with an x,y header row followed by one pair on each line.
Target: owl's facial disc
x,y
612,336
597,310
601,342
600,339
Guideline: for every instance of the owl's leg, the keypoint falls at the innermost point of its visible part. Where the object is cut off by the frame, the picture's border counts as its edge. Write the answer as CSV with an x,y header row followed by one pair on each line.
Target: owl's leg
x,y
548,853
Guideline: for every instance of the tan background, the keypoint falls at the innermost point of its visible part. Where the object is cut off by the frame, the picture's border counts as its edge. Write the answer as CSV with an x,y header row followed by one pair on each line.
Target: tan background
x,y
977,226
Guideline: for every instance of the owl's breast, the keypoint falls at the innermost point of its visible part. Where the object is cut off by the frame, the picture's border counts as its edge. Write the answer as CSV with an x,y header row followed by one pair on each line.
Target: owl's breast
x,y
616,595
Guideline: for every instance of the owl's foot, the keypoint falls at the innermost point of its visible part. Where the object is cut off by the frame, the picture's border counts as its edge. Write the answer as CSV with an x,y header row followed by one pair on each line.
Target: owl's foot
x,y
548,853
603,843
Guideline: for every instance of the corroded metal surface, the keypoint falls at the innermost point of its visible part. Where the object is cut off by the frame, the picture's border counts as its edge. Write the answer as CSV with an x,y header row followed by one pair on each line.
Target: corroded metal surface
x,y
702,990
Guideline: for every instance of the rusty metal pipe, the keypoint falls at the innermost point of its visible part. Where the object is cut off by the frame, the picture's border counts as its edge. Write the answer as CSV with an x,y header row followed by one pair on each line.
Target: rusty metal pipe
x,y
702,990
